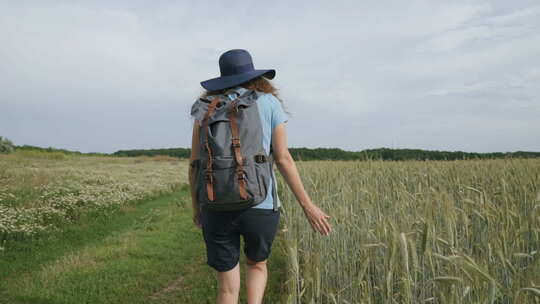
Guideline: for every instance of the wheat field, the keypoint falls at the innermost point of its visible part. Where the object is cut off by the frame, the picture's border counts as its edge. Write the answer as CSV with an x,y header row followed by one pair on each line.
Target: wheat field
x,y
417,232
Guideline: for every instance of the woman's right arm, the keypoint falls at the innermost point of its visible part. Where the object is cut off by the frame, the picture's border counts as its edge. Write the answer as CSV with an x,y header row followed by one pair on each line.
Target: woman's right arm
x,y
285,163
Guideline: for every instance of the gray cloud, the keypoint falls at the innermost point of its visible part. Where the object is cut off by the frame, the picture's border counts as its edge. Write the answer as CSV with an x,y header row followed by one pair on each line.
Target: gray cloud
x,y
102,76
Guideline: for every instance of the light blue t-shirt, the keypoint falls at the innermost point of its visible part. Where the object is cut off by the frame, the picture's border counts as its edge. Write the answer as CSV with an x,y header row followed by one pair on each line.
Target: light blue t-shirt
x,y
272,114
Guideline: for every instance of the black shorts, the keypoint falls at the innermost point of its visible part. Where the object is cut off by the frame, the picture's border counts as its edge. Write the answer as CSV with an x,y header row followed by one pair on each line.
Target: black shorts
x,y
222,230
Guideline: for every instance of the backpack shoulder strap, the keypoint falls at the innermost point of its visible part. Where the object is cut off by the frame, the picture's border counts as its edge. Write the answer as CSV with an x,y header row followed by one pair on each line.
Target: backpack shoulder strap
x,y
209,174
231,113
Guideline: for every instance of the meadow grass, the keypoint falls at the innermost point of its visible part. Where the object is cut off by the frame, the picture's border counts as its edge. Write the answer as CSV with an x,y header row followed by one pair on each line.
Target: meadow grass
x,y
40,191
417,232
146,251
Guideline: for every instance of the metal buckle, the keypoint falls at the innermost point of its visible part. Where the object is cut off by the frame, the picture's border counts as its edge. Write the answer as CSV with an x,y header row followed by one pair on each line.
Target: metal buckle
x,y
240,174
209,177
260,158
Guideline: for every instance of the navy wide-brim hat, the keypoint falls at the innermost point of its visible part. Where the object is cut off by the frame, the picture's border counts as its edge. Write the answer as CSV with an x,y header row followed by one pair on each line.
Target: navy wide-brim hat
x,y
236,67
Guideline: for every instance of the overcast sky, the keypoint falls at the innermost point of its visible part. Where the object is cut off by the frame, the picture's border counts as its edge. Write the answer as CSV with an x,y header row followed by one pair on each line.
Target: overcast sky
x,y
100,76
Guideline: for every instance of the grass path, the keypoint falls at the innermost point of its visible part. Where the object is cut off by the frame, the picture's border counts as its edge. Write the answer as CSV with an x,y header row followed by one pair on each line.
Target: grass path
x,y
149,252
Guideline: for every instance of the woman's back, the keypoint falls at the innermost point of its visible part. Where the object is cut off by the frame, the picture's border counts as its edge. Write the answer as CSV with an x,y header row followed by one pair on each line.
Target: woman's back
x,y
271,114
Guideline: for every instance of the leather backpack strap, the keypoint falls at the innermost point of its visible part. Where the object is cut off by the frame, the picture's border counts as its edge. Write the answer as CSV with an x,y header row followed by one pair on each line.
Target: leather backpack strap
x,y
231,113
209,174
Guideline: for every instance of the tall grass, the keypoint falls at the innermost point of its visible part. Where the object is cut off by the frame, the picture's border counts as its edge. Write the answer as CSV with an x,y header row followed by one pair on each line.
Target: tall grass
x,y
417,232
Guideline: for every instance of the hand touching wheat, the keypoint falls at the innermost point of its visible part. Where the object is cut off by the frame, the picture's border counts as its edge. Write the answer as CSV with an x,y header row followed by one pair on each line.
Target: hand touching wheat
x,y
318,219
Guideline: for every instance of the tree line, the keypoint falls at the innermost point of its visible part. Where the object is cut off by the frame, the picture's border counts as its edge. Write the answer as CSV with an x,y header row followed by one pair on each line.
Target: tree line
x,y
6,146
339,154
48,149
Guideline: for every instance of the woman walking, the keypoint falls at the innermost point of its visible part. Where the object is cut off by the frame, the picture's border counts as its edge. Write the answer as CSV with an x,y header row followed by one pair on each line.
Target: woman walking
x,y
256,222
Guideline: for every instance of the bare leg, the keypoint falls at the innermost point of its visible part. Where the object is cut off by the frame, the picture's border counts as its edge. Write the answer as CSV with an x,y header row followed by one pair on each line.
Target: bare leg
x,y
229,286
257,275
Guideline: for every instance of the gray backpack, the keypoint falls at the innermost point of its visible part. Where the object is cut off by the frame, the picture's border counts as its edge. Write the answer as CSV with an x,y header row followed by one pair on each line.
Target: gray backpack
x,y
234,169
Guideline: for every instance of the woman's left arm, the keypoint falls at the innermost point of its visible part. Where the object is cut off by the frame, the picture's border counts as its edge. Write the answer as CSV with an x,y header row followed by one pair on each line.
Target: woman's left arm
x,y
193,173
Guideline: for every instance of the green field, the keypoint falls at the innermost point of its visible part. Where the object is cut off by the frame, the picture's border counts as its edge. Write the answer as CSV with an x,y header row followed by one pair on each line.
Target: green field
x,y
144,249
80,229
